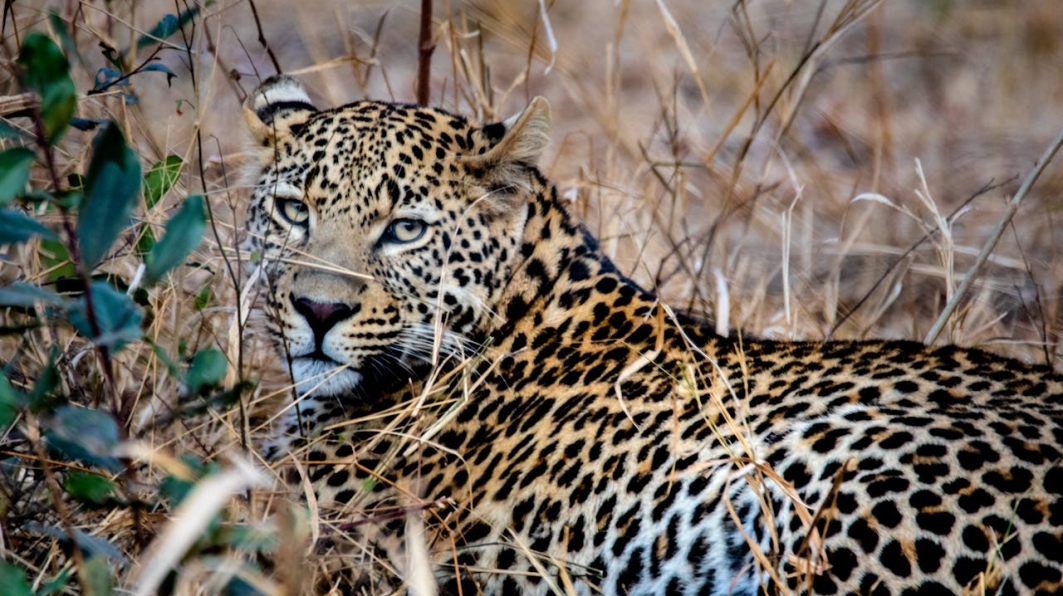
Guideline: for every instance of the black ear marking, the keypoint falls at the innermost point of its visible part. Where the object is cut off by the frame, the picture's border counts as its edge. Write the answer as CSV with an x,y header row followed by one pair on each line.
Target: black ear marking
x,y
506,165
278,108
267,112
494,132
520,139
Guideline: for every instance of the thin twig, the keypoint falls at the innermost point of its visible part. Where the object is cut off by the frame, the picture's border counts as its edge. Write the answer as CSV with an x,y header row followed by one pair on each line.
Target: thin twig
x,y
1013,207
262,38
424,53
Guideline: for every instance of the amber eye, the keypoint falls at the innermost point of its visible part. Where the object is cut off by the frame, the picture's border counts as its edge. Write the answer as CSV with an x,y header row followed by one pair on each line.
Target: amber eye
x,y
293,210
404,231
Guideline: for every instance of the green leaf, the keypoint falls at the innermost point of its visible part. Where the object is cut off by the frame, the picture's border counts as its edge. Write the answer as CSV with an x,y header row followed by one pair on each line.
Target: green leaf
x,y
11,401
218,402
160,67
146,242
15,167
36,196
13,580
117,317
175,489
56,585
41,398
56,260
207,370
91,545
98,578
67,199
203,299
47,71
17,227
112,187
160,179
107,77
252,538
63,33
113,56
86,124
9,132
84,434
168,362
24,295
167,26
184,232
88,488
238,586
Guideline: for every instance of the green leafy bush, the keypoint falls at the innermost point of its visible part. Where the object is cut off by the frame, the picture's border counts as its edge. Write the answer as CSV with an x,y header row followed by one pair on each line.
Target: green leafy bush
x,y
67,424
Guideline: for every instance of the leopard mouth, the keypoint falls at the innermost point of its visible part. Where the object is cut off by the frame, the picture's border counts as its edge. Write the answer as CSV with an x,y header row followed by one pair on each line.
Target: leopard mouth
x,y
318,375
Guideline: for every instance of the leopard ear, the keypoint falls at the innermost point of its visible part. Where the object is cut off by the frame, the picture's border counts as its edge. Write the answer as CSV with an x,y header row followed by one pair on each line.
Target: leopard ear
x,y
279,104
520,139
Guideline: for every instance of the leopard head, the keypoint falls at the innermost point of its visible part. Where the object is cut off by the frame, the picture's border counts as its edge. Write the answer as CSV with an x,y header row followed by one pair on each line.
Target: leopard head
x,y
387,233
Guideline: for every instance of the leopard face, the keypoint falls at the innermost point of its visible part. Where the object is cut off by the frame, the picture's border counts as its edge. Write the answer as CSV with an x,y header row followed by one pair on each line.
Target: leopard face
x,y
388,232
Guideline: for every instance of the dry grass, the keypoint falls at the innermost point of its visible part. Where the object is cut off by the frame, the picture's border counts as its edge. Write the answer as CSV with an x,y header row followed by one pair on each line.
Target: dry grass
x,y
795,169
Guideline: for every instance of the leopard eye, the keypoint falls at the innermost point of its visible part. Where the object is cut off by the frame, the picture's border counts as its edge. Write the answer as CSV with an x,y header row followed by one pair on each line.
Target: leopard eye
x,y
404,231
294,211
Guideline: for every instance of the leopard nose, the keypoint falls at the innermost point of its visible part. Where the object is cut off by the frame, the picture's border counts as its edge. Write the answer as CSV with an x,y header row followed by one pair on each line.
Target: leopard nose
x,y
321,316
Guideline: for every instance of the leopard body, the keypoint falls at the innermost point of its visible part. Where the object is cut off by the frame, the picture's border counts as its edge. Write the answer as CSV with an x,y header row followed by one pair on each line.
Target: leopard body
x,y
471,365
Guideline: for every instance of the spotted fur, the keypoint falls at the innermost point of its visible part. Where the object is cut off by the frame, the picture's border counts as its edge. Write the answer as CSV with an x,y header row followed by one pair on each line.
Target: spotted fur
x,y
469,359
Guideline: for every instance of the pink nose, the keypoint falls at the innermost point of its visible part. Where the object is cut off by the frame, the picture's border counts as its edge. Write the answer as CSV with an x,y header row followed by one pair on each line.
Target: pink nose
x,y
322,316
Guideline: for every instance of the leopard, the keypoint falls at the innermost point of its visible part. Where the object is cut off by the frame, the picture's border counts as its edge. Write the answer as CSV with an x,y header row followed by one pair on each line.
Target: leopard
x,y
482,397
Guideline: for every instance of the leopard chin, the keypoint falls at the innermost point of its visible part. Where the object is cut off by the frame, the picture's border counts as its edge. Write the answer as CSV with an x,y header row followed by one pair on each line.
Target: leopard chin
x,y
317,377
